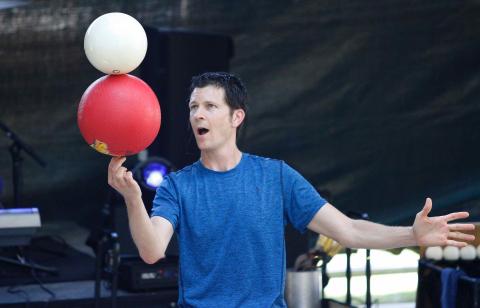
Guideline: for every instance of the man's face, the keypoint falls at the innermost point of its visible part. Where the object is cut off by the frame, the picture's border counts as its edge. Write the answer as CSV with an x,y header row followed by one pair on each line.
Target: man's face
x,y
212,122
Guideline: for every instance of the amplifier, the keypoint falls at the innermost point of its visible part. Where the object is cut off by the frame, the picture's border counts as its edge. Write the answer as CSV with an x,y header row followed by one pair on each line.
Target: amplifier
x,y
136,275
18,225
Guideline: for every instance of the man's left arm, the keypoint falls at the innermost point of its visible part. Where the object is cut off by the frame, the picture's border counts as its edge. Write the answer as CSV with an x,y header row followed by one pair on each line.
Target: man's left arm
x,y
425,231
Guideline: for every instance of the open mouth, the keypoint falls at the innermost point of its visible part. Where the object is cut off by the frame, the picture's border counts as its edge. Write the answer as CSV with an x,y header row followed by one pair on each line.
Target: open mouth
x,y
202,131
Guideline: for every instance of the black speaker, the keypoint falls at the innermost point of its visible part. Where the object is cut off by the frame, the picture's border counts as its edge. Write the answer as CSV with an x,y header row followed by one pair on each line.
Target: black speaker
x,y
173,58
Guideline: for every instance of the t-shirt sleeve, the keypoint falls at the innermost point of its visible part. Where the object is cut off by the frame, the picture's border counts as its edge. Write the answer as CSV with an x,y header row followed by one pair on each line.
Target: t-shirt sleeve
x,y
301,199
165,203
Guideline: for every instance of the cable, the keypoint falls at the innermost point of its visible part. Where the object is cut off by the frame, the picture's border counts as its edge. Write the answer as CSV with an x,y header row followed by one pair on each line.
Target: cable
x,y
43,287
12,290
32,266
40,283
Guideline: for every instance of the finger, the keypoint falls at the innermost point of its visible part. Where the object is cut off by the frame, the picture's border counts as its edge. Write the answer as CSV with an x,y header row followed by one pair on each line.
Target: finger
x,y
122,172
461,236
456,244
112,163
120,175
461,227
129,177
109,174
116,162
457,215
426,208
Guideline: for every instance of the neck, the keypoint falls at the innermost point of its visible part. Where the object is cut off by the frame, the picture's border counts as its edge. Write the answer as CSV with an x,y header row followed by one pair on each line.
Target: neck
x,y
221,160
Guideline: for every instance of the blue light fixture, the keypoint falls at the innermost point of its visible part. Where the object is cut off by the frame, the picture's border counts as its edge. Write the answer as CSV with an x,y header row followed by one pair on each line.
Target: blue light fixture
x,y
151,172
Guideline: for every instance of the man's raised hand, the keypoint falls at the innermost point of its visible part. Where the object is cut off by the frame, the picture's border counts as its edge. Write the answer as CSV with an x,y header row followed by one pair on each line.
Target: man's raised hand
x,y
122,180
439,231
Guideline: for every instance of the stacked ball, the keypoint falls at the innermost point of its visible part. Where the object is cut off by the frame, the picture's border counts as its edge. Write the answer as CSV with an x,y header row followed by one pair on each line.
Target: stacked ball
x,y
118,114
451,253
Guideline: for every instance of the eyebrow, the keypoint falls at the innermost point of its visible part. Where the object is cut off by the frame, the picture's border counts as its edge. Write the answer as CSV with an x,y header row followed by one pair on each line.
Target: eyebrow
x,y
205,102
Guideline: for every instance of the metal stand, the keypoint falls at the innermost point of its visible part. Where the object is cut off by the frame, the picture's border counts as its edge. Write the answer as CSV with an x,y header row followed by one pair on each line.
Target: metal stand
x,y
15,150
348,274
99,269
368,269
368,274
107,261
113,255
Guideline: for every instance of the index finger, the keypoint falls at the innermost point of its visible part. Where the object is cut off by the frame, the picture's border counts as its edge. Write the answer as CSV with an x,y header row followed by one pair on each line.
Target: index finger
x,y
116,162
457,215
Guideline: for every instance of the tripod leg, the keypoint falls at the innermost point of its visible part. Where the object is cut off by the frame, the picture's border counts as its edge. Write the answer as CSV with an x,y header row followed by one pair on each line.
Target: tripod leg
x,y
368,274
98,269
115,256
349,277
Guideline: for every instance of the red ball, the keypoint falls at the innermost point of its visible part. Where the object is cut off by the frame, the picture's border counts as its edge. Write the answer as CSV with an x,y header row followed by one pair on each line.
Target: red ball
x,y
119,115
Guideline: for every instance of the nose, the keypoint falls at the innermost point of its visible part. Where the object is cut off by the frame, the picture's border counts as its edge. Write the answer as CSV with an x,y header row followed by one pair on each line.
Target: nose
x,y
198,114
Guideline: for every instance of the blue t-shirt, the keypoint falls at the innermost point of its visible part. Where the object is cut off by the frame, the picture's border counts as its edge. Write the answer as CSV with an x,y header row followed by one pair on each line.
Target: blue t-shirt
x,y
230,228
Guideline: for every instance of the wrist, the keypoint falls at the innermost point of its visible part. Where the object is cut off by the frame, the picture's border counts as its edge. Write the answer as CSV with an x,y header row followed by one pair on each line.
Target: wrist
x,y
412,236
133,200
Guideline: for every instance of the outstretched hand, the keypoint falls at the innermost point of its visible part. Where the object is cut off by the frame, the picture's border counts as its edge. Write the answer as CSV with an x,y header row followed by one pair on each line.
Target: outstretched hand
x,y
122,180
438,231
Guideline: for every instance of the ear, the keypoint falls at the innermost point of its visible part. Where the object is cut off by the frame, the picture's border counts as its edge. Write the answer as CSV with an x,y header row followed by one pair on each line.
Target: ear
x,y
238,117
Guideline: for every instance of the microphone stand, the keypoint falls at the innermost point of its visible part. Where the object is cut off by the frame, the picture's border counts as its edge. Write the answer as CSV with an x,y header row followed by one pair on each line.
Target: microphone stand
x,y
368,273
15,150
368,269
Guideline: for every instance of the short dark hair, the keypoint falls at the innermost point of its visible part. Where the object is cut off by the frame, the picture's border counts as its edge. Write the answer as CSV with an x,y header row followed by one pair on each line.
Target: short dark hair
x,y
235,92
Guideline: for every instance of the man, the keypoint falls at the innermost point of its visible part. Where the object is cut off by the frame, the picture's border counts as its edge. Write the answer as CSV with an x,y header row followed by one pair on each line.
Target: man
x,y
229,210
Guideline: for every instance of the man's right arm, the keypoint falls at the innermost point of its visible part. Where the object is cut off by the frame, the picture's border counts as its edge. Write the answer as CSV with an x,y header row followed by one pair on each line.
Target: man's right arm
x,y
151,235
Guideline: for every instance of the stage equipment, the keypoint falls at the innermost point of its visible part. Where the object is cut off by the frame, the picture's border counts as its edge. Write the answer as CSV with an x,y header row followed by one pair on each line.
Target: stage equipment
x,y
106,265
435,284
151,172
15,150
368,269
302,288
173,58
136,275
17,226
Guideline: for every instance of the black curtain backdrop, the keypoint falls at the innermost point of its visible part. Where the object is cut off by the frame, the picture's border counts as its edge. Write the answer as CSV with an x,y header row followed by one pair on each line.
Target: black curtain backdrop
x,y
375,102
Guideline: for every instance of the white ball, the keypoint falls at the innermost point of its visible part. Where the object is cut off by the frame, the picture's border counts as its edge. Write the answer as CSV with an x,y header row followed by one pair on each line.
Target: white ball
x,y
434,253
468,253
115,43
451,253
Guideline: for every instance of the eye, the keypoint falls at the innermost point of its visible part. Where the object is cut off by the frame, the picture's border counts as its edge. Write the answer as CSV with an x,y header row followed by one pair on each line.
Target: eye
x,y
211,106
193,107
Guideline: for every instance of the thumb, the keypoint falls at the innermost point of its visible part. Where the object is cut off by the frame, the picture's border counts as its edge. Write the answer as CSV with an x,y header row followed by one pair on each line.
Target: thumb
x,y
426,208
